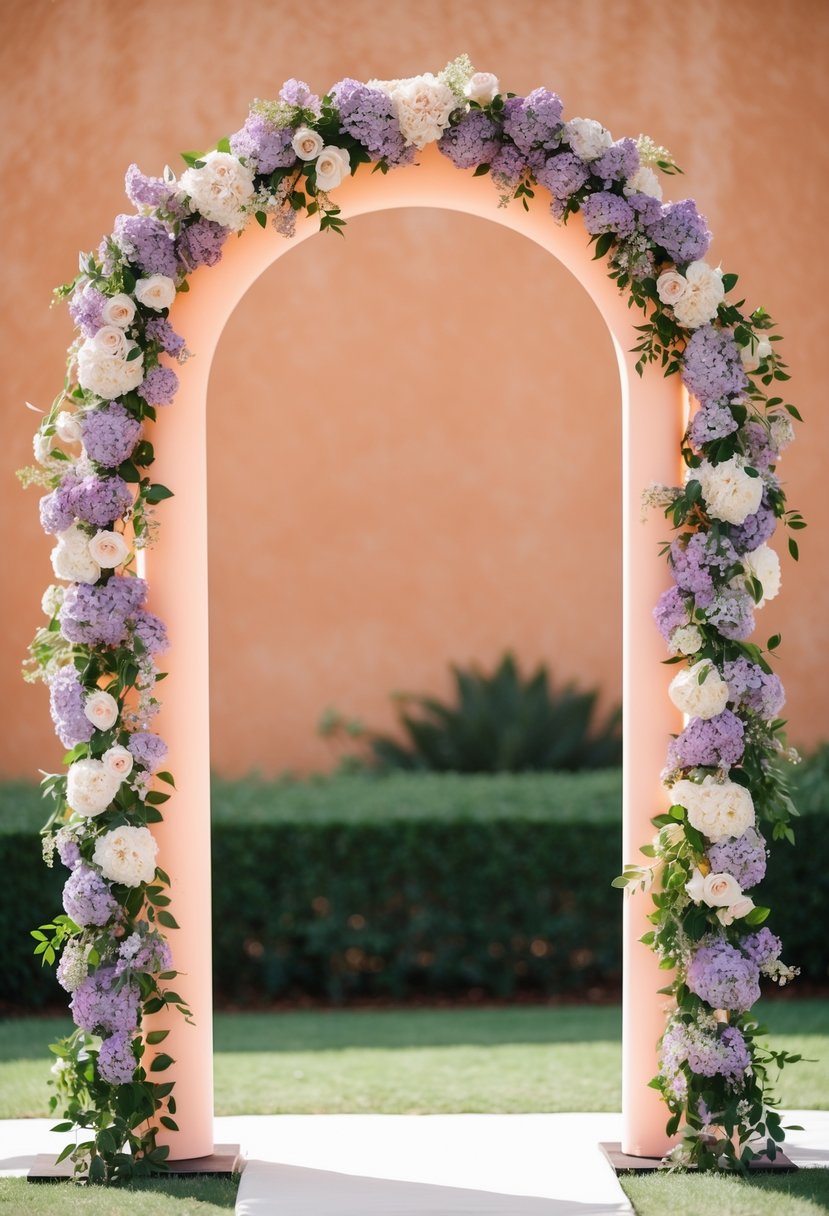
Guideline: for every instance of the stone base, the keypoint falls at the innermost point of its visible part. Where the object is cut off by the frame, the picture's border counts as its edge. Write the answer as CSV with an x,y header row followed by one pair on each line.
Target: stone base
x,y
623,1163
223,1161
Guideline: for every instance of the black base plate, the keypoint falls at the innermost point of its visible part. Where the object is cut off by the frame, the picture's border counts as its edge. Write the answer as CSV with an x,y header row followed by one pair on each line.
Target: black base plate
x,y
623,1163
222,1162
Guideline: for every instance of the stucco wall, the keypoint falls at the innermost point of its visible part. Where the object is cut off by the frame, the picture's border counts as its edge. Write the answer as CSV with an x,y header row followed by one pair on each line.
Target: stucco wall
x,y
414,433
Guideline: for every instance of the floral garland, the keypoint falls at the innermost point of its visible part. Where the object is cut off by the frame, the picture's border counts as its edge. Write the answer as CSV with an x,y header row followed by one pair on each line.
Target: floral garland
x,y
98,653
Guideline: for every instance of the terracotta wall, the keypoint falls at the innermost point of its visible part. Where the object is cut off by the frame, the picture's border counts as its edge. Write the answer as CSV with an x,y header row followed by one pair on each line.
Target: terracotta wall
x,y
414,432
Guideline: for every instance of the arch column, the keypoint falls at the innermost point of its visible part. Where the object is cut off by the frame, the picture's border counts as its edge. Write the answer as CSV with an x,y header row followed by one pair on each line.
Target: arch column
x,y
177,572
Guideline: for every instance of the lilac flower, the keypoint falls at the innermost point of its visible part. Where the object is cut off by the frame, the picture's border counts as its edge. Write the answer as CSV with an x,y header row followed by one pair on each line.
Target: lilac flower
x,y
297,93
761,947
508,167
100,1007
147,243
732,613
263,145
148,749
151,631
143,191
619,162
723,977
755,529
711,743
473,141
760,450
160,331
57,511
98,615
116,1061
681,231
368,115
753,688
110,434
200,243
150,953
647,208
534,121
563,175
713,420
87,897
696,562
606,212
68,850
101,500
159,386
711,365
85,309
67,698
671,612
744,858
707,1053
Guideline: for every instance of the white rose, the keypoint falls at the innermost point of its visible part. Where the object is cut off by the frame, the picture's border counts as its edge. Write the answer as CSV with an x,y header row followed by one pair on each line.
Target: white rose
x,y
333,165
721,890
101,709
687,639
108,549
42,447
764,565
220,189
695,885
127,855
703,699
715,809
588,138
781,431
423,105
119,311
106,376
644,181
307,143
67,427
482,87
157,292
735,911
111,340
671,286
118,761
729,492
52,599
90,787
71,558
699,304
754,354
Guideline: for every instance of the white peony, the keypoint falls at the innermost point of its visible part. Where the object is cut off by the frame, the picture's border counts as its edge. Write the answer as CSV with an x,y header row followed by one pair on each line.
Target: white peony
x,y
422,105
42,447
101,709
333,164
119,311
52,599
156,292
90,787
127,855
108,549
687,639
307,143
219,189
754,354
736,911
698,305
729,492
699,691
671,286
764,564
588,138
644,181
482,87
716,809
71,559
781,431
107,375
67,427
118,761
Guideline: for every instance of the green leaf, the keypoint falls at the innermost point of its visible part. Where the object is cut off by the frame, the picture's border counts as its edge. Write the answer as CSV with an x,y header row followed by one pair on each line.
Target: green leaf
x,y
794,549
167,919
481,171
157,1036
757,915
157,493
161,1062
729,282
261,218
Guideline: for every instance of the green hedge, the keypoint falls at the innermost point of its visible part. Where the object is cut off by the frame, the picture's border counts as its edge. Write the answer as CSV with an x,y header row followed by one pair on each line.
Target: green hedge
x,y
413,884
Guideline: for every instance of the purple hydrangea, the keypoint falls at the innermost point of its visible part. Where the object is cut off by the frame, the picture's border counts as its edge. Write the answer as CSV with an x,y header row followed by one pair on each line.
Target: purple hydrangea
x,y
263,145
368,116
755,529
152,632
473,141
67,698
619,162
671,612
563,175
143,191
159,386
85,309
647,208
148,749
57,509
150,953
110,434
101,500
732,613
759,449
160,331
753,688
696,562
116,1061
744,858
681,231
298,93
723,977
508,166
103,1005
709,743
606,212
87,897
68,851
707,1053
761,947
711,365
201,243
533,121
712,421
98,615
147,243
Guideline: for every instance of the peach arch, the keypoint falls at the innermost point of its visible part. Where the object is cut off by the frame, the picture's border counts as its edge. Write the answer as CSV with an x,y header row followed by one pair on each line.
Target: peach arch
x,y
653,413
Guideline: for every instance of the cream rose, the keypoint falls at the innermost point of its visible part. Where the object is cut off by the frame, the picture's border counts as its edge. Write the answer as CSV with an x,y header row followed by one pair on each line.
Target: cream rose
x,y
111,340
118,761
106,375
90,787
671,286
715,809
156,292
71,559
127,855
644,181
482,87
588,138
729,492
108,549
764,565
754,354
333,165
422,105
699,691
68,427
119,311
705,292
307,143
735,911
687,639
101,709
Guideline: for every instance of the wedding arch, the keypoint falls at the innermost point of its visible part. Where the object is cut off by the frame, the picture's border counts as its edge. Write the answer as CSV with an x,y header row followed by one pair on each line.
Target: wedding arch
x,y
173,273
